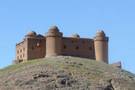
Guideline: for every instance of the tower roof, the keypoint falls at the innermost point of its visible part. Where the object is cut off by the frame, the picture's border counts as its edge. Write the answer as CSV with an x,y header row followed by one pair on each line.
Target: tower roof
x,y
53,29
31,33
100,33
76,35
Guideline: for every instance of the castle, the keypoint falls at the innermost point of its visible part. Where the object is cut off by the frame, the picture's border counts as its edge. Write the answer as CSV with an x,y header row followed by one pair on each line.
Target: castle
x,y
36,46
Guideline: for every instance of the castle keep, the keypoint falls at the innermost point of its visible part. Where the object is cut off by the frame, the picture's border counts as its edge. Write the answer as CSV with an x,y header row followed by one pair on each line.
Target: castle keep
x,y
36,46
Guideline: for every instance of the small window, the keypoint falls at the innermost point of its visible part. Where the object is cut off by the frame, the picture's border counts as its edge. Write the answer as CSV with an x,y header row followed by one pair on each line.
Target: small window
x,y
20,50
23,49
20,56
17,51
32,47
72,41
76,47
23,55
90,48
64,46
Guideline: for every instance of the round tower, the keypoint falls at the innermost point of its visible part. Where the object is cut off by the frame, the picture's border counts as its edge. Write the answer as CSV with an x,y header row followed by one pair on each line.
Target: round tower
x,y
101,46
53,42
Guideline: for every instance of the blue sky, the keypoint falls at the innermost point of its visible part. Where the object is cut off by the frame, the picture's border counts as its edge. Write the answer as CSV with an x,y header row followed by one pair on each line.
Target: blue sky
x,y
85,17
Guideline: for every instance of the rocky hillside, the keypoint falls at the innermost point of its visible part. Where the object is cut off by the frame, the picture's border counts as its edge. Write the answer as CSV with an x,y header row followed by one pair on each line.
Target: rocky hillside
x,y
65,73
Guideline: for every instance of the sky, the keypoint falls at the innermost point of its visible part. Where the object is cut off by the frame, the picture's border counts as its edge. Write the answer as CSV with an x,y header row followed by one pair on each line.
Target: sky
x,y
85,17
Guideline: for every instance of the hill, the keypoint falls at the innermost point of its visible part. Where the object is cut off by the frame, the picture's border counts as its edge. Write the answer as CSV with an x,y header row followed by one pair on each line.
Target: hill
x,y
65,73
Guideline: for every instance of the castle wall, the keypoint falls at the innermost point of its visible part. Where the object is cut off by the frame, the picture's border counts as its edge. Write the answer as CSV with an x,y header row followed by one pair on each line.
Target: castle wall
x,y
21,51
36,48
54,44
79,47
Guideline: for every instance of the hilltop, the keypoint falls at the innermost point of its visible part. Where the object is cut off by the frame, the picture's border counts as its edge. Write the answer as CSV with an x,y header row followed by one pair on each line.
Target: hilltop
x,y
65,73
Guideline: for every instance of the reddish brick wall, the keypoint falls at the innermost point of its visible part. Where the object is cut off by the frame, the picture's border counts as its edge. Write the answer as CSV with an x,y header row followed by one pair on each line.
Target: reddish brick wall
x,y
79,47
53,44
36,48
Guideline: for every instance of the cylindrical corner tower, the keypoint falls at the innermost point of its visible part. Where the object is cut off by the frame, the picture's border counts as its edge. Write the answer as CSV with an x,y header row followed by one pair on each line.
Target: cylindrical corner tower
x,y
53,42
101,46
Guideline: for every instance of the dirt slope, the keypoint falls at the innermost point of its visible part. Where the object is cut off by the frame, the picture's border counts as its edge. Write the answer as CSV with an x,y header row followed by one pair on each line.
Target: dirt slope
x,y
65,73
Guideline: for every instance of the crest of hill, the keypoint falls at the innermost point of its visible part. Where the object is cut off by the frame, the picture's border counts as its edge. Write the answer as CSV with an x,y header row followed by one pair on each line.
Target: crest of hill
x,y
65,73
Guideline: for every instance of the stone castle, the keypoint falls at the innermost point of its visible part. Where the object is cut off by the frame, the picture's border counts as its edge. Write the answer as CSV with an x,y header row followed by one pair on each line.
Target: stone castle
x,y
36,46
